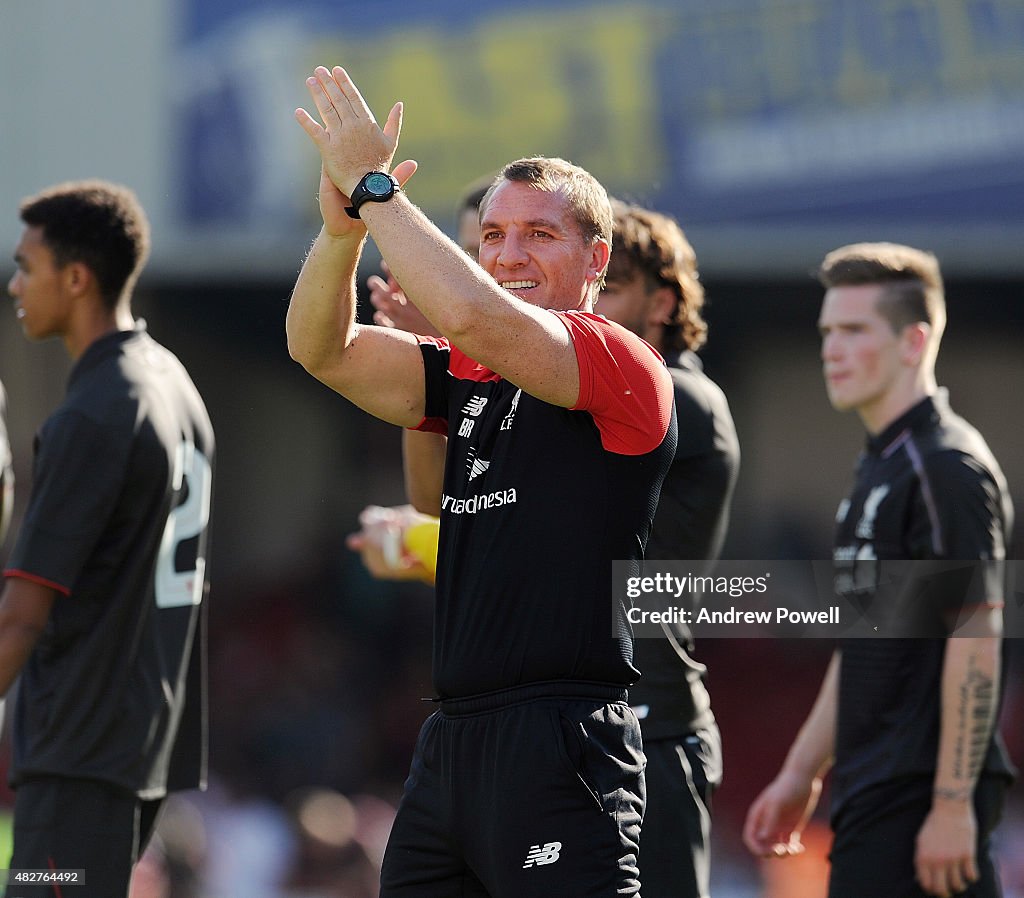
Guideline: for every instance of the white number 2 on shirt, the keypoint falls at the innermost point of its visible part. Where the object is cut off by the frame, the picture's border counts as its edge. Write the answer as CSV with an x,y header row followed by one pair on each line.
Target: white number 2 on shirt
x,y
175,588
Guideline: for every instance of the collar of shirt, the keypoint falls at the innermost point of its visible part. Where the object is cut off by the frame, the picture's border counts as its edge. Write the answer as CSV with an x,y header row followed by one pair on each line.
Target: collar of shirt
x,y
931,408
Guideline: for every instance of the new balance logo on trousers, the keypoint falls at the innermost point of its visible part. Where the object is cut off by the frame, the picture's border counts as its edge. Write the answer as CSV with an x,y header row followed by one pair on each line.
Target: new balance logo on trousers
x,y
546,854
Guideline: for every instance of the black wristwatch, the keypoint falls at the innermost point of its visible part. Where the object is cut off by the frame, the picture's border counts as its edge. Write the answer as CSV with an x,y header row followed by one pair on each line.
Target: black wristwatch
x,y
373,187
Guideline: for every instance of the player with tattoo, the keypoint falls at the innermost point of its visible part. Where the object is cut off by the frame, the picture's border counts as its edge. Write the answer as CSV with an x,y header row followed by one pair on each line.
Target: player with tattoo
x,y
907,724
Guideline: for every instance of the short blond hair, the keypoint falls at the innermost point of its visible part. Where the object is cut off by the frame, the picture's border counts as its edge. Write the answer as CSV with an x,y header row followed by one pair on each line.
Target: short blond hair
x,y
587,199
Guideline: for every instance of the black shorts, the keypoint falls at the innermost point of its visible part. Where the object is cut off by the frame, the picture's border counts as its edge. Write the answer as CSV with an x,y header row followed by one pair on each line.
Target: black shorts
x,y
65,824
876,834
522,795
675,847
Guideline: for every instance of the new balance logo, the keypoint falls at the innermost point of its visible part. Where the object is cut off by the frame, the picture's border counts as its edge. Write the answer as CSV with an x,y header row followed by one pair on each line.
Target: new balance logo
x,y
474,406
546,854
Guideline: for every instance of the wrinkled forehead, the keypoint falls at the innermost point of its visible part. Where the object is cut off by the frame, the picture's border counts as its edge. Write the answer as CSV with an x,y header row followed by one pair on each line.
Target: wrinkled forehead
x,y
514,202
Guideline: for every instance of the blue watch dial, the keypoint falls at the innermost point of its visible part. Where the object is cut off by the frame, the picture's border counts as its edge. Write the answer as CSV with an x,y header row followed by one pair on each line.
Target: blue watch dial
x,y
379,184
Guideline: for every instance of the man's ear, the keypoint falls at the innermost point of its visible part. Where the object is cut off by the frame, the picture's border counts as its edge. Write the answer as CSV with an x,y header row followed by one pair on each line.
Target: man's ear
x,y
663,306
78,278
915,339
600,253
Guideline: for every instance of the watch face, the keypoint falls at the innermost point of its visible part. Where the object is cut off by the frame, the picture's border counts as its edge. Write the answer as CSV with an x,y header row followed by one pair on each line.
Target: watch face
x,y
379,184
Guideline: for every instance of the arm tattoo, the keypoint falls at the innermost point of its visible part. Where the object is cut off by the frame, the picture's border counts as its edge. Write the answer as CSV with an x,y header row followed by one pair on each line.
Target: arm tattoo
x,y
975,715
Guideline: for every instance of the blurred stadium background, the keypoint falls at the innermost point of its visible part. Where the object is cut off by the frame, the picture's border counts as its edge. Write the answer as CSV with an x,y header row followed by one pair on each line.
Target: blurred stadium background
x,y
773,129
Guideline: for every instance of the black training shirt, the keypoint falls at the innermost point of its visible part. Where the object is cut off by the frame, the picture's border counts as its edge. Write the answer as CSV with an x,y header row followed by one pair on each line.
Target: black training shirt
x,y
926,488
690,524
538,500
117,524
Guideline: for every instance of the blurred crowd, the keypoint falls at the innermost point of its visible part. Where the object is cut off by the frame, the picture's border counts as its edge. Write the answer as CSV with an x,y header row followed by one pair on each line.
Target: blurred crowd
x,y
318,686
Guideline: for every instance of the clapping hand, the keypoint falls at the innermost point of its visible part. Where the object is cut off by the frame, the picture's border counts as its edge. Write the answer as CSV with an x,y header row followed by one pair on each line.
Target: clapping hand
x,y
350,143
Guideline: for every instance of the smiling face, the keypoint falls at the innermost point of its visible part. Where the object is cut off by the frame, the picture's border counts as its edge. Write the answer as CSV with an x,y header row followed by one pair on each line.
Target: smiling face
x,y
868,366
532,246
42,301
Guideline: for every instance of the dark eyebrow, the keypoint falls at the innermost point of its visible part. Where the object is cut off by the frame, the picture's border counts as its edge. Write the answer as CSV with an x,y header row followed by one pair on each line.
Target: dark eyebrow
x,y
544,223
842,326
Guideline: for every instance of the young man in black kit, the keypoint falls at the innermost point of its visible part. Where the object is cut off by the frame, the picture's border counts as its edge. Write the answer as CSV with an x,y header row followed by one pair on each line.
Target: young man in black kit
x,y
907,724
102,611
653,289
528,780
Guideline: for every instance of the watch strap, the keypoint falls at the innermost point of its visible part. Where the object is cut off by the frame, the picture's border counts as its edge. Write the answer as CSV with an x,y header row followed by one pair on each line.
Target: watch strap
x,y
361,194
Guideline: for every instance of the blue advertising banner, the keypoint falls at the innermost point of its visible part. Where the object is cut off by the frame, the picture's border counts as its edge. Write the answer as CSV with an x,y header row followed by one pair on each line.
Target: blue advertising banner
x,y
766,113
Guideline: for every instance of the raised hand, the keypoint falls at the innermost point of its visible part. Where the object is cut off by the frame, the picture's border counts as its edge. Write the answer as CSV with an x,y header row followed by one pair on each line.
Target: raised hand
x,y
350,143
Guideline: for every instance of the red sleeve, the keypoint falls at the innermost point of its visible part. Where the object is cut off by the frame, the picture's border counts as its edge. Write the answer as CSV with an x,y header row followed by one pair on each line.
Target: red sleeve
x,y
624,384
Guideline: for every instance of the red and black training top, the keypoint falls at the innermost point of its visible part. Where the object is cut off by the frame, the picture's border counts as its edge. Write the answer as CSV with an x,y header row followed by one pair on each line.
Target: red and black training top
x,y
538,500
